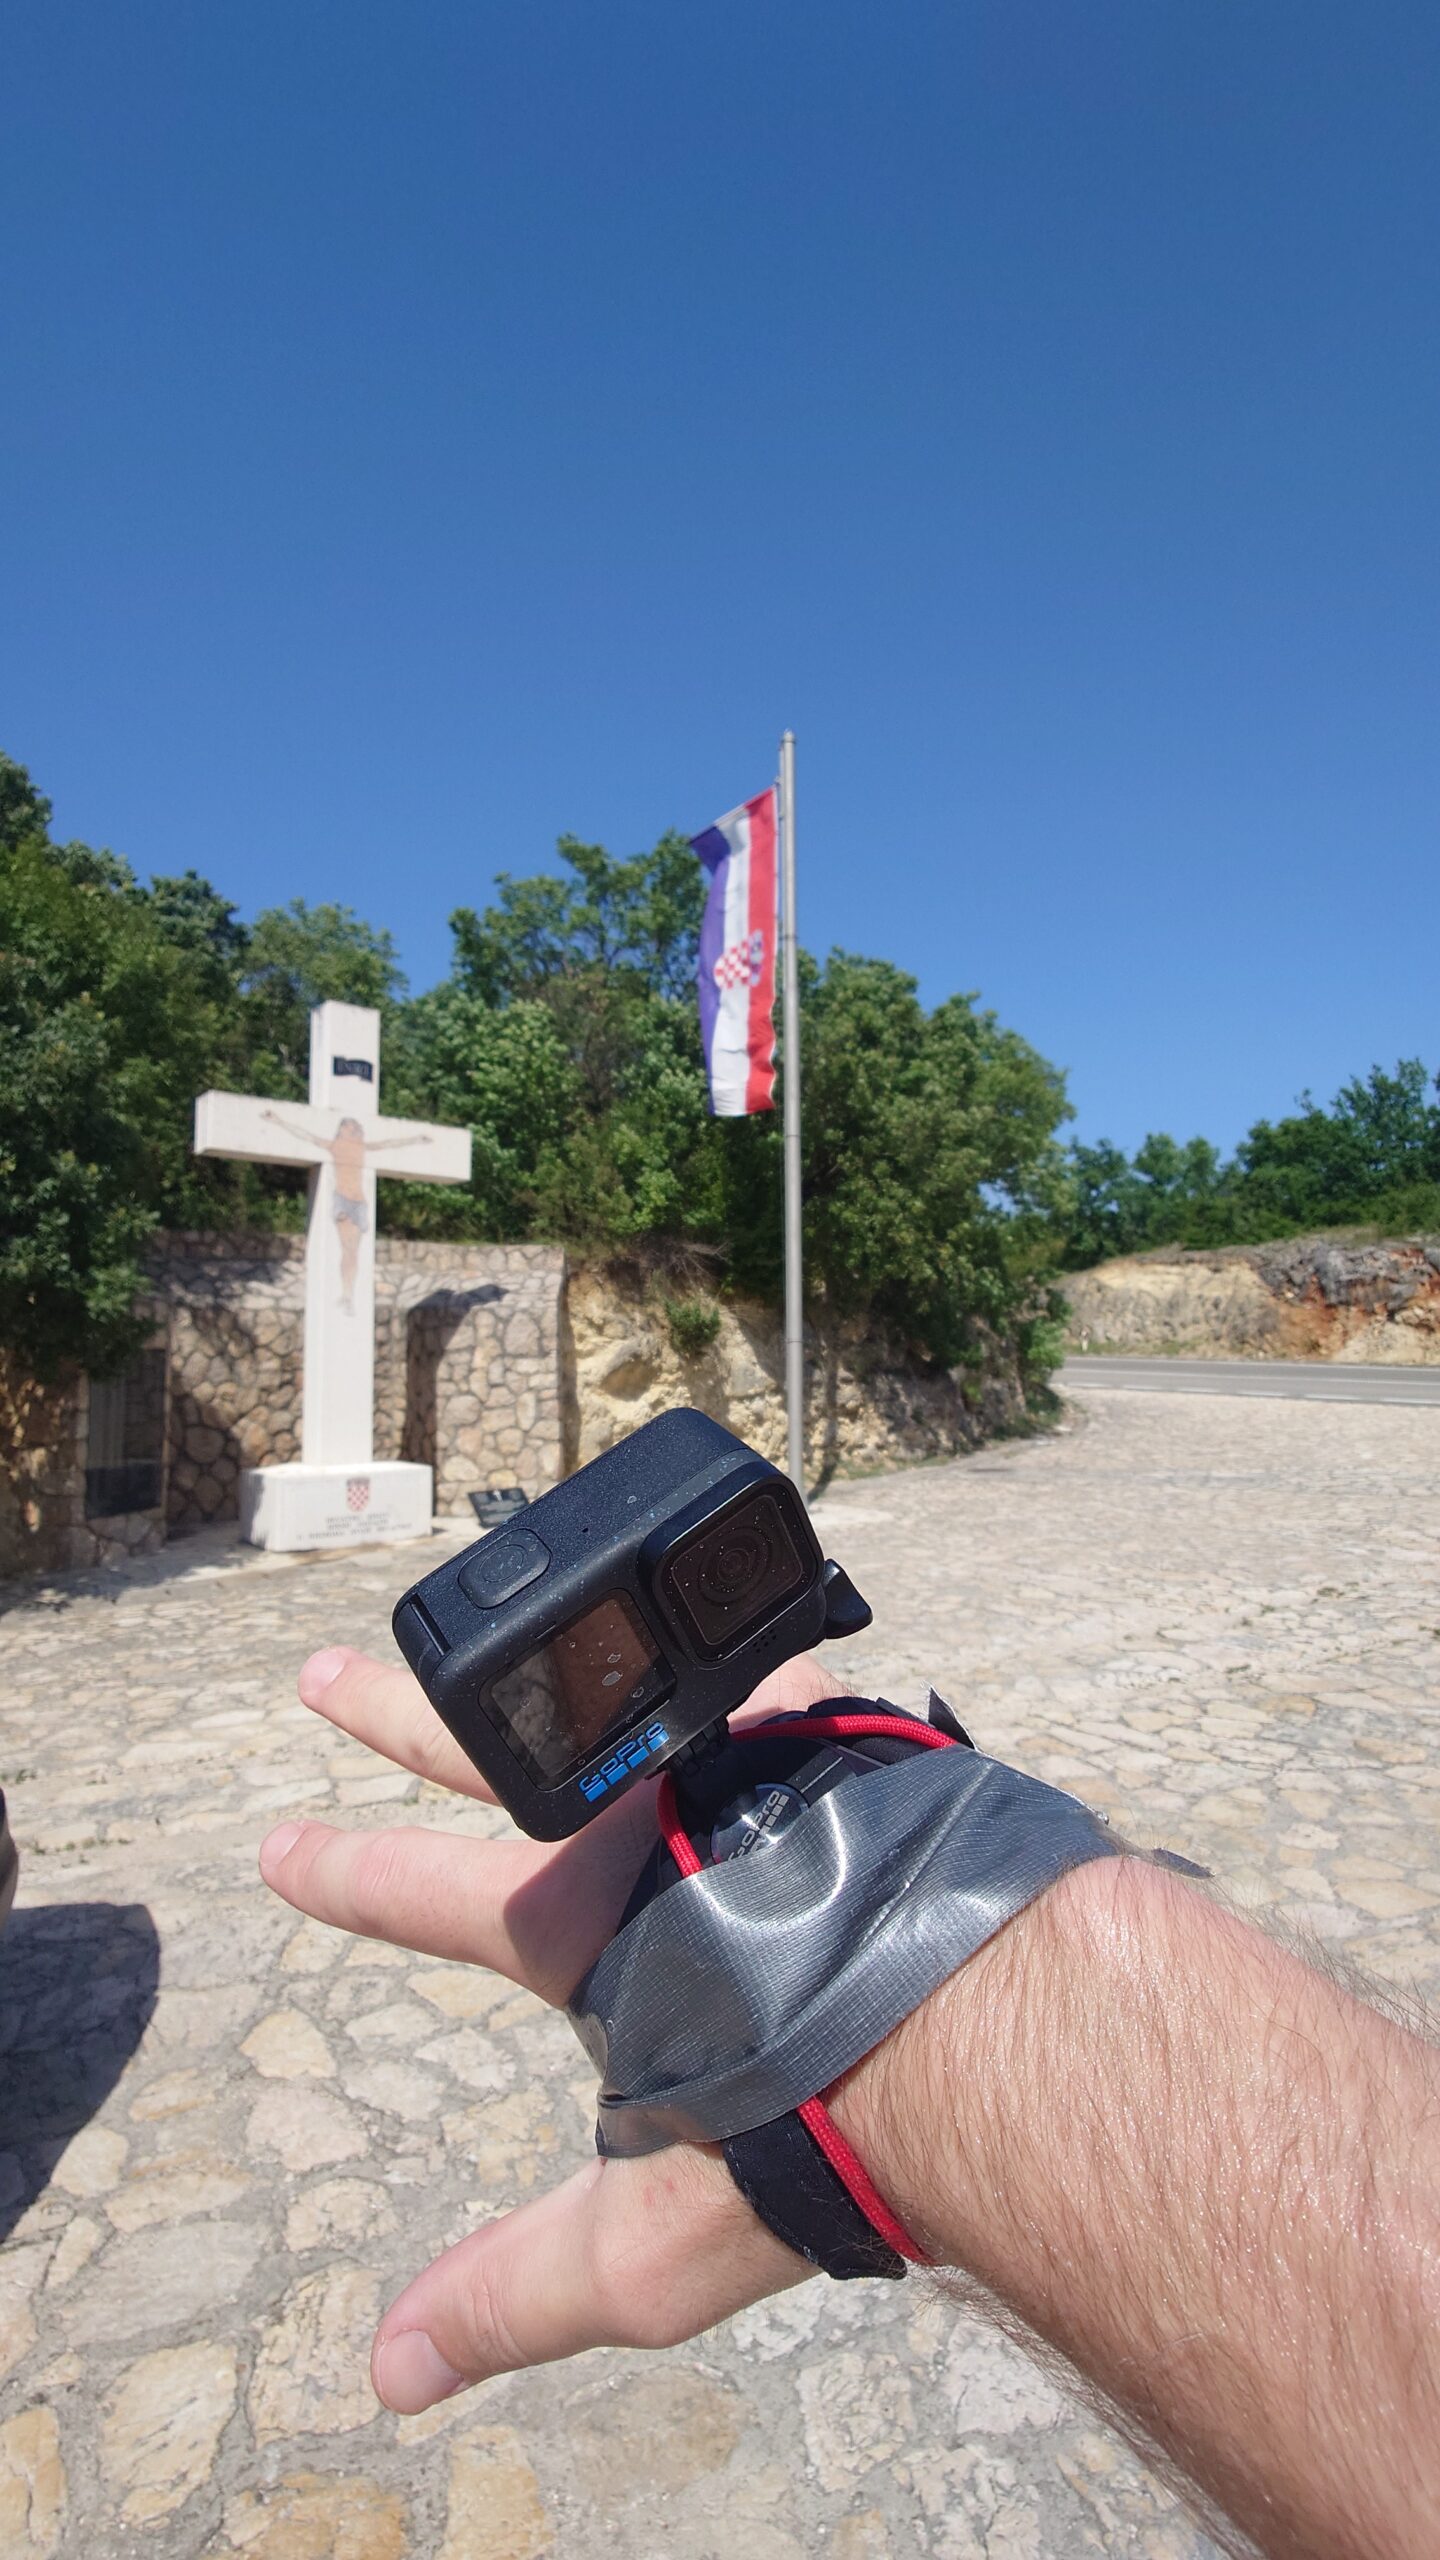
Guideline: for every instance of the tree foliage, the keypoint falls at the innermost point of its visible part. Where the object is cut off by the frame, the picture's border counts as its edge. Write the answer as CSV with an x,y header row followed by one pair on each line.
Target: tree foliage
x,y
1371,1159
565,1038
938,1201
102,1037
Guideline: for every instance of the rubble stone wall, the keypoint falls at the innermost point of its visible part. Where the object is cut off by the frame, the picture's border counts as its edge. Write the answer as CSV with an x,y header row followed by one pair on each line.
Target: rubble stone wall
x,y
43,1527
467,1362
493,1365
1311,1298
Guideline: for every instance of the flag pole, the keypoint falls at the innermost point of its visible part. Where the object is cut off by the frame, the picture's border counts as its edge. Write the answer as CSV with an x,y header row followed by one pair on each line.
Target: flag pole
x,y
794,1274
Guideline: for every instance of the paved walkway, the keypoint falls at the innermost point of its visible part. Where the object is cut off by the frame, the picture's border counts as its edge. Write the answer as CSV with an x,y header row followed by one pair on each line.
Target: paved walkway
x,y
1324,1381
225,2138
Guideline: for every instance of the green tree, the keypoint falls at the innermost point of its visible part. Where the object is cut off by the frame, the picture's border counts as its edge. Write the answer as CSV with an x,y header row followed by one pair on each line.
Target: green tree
x,y
1371,1159
24,812
299,956
932,1176
199,921
103,1039
501,1072
636,919
607,950
565,1038
931,1173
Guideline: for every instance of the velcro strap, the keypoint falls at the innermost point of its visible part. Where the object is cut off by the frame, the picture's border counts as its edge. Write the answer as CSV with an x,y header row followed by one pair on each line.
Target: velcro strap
x,y
785,2177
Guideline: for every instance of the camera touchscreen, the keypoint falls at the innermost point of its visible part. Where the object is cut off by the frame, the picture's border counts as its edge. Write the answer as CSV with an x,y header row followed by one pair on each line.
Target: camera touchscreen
x,y
557,1705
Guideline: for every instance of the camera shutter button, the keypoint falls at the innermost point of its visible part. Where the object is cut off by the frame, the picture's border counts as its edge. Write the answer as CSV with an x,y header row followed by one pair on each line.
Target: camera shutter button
x,y
501,1566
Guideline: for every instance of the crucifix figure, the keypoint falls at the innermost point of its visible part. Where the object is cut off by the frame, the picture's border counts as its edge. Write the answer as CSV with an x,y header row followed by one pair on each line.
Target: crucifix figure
x,y
349,1152
342,1141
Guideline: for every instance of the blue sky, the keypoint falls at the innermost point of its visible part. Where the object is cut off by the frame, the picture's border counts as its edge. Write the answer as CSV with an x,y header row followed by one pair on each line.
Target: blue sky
x,y
431,428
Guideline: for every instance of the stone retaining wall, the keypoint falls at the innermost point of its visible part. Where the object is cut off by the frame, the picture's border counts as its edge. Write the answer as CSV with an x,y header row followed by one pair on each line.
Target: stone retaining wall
x,y
43,1526
866,1407
492,1365
467,1362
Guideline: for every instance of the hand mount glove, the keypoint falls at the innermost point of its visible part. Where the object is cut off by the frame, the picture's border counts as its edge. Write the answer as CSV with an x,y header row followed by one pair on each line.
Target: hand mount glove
x,y
815,1879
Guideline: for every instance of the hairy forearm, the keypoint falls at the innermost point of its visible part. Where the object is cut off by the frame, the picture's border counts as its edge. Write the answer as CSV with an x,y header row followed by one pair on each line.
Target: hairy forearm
x,y
1208,2176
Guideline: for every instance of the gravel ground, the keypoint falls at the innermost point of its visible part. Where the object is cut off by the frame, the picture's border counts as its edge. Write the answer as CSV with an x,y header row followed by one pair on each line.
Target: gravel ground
x,y
226,2138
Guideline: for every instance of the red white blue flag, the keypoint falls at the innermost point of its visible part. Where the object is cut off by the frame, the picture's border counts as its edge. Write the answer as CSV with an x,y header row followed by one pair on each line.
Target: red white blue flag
x,y
737,959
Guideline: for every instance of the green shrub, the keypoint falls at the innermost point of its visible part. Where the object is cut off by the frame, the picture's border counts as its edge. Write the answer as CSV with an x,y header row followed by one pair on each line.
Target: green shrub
x,y
693,1324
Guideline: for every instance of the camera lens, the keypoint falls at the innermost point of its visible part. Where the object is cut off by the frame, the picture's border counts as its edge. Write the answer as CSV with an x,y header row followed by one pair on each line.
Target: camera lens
x,y
734,1568
727,1581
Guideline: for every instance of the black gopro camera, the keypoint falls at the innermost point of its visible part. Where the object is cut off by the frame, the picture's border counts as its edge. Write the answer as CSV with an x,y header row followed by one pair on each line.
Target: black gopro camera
x,y
621,1617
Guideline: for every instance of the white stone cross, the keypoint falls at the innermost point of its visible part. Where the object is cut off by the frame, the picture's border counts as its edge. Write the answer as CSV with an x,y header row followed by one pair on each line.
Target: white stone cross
x,y
340,1137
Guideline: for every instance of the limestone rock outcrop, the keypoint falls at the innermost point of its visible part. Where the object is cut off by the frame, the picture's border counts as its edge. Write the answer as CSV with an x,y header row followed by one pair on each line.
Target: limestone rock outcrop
x,y
867,1408
1310,1298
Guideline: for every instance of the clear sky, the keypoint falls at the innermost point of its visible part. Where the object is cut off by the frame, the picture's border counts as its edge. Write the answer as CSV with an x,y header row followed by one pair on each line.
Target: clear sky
x,y
434,425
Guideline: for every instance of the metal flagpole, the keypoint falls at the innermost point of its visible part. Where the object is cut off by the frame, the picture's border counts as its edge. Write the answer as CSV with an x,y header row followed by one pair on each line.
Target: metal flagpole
x,y
794,1274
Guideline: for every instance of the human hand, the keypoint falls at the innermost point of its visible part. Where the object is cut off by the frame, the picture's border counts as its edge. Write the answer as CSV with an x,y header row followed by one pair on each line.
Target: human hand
x,y
640,2253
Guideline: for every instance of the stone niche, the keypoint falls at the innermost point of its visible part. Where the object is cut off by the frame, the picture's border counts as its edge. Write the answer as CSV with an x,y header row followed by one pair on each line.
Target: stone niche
x,y
82,1467
467,1363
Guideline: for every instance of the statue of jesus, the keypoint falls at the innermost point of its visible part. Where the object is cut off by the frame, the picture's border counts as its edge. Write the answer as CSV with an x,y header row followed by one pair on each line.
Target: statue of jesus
x,y
347,1151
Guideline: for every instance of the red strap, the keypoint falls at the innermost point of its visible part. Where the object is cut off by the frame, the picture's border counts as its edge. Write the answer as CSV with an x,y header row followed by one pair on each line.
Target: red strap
x,y
814,2114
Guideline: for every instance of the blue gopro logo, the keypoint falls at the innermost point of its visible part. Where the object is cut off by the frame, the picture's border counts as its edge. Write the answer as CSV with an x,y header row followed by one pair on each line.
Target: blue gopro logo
x,y
631,1755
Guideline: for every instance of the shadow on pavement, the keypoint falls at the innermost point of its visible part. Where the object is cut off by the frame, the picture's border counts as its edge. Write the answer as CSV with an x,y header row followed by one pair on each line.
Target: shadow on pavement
x,y
77,1990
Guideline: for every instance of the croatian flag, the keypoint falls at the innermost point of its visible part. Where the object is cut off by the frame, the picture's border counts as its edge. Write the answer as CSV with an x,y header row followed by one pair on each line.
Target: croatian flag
x,y
737,959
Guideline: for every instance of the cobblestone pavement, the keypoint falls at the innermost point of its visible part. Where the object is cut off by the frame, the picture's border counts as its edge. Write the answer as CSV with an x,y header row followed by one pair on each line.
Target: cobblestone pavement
x,y
225,2138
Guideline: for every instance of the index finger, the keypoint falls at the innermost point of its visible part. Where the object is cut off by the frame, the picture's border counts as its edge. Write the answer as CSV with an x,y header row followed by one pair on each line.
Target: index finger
x,y
384,1705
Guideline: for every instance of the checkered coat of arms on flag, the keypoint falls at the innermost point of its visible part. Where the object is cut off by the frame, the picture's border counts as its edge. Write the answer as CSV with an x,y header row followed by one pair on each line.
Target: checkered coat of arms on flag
x,y
737,958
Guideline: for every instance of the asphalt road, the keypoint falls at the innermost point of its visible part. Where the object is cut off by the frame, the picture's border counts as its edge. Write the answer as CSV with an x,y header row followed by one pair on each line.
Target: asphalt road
x,y
1325,1381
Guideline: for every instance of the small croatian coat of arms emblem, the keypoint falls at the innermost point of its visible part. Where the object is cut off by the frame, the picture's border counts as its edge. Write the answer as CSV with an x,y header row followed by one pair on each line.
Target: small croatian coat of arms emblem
x,y
357,1493
741,963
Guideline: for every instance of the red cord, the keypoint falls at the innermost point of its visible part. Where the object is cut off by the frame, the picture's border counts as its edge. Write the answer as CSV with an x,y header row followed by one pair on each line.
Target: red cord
x,y
814,2114
851,2172
835,1728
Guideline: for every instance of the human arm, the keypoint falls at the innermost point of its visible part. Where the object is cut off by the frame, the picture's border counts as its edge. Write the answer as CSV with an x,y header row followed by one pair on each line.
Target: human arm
x,y
1199,2170
1210,2177
294,1130
392,1146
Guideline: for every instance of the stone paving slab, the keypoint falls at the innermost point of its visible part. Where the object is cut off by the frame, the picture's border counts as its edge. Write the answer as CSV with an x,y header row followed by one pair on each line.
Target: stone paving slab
x,y
227,2137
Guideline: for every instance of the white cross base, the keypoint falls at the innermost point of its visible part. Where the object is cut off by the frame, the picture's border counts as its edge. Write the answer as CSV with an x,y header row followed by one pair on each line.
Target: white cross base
x,y
335,1494
296,1507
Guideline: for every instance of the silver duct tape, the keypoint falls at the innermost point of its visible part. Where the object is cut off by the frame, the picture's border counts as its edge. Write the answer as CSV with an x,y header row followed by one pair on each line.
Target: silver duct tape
x,y
742,1991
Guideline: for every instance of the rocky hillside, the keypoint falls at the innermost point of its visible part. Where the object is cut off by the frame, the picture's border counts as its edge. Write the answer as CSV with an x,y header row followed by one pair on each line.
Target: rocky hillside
x,y
1313,1298
867,1410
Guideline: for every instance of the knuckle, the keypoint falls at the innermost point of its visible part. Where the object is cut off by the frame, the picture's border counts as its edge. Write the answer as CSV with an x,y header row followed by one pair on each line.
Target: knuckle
x,y
491,2342
376,1861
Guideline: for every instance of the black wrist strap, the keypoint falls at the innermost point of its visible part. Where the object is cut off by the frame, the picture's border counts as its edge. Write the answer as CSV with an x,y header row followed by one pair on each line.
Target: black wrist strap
x,y
797,2172
785,2177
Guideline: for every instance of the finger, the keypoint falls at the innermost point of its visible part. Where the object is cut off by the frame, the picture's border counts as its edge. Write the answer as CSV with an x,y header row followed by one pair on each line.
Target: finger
x,y
385,1706
801,1682
628,2253
537,1912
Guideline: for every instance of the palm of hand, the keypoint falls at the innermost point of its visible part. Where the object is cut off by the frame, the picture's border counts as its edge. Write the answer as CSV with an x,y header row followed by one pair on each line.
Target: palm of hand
x,y
627,2252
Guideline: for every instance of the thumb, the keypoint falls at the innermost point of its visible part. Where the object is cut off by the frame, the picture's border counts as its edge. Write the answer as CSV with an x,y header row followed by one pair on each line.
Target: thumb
x,y
628,2253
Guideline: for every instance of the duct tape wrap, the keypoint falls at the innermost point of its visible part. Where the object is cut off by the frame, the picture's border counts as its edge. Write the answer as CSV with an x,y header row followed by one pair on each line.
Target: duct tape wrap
x,y
738,1993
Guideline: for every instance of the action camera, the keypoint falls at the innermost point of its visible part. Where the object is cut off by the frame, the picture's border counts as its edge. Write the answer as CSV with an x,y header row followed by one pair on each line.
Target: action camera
x,y
619,1619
